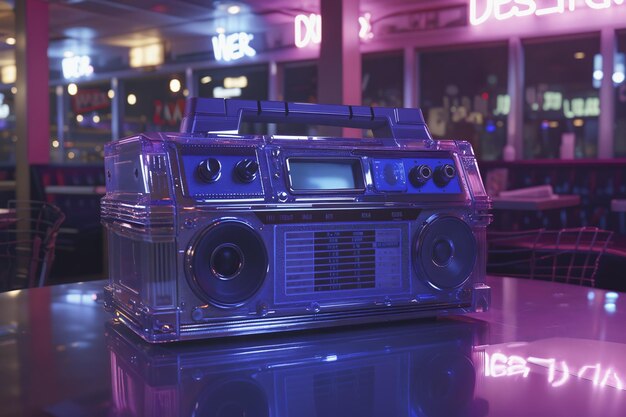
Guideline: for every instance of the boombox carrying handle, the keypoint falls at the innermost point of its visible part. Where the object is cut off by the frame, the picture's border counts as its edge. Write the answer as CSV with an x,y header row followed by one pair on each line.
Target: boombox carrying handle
x,y
216,115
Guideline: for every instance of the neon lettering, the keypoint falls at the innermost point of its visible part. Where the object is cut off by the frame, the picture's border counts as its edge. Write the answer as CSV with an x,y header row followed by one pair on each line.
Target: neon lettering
x,y
307,29
232,47
480,11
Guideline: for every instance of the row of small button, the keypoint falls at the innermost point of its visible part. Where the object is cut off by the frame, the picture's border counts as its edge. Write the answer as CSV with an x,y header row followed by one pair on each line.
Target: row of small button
x,y
389,174
443,174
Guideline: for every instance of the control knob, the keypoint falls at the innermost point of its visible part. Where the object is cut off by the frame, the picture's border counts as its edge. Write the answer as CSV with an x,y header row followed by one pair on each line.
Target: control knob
x,y
420,174
443,174
391,174
209,170
247,170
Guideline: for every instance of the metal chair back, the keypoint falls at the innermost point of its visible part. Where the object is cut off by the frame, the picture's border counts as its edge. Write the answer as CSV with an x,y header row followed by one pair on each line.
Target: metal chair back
x,y
567,255
28,232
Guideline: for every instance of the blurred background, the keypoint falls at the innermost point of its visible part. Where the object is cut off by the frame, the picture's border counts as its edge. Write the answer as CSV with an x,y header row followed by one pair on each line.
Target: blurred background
x,y
537,88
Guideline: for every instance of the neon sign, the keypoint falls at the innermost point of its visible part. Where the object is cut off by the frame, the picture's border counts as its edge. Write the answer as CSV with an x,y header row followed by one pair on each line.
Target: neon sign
x,y
365,27
308,29
233,47
76,66
481,11
554,101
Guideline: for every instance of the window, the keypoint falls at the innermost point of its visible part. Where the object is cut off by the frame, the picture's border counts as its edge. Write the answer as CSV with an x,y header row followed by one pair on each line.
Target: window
x,y
7,127
464,96
561,98
300,82
300,86
620,96
88,121
155,104
245,83
56,145
382,81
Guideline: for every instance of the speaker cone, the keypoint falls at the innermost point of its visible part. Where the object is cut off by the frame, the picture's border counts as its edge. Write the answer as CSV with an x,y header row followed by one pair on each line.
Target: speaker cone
x,y
445,252
228,262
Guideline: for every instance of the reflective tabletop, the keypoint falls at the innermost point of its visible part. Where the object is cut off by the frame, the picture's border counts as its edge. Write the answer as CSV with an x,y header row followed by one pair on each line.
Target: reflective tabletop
x,y
544,349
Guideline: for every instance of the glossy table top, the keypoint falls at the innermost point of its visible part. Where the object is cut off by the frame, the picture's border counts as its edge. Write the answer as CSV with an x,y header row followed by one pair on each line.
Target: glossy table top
x,y
544,349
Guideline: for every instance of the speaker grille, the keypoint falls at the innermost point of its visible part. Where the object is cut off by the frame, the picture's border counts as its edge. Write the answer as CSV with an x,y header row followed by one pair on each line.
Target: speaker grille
x,y
339,260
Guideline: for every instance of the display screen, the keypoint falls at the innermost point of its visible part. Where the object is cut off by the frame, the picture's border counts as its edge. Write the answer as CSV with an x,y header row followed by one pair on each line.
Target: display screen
x,y
319,174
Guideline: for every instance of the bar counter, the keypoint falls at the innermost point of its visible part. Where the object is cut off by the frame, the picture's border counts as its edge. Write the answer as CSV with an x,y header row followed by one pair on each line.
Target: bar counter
x,y
543,349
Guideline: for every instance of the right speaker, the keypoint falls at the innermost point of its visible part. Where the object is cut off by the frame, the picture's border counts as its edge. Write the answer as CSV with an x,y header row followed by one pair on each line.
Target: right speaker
x,y
445,252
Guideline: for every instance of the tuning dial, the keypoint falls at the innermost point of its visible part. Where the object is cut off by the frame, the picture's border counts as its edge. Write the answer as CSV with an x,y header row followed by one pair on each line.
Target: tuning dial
x,y
391,174
209,170
247,170
420,174
443,174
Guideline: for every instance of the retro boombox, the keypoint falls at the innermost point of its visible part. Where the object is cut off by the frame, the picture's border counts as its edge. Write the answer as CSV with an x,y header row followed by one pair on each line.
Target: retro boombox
x,y
407,370
215,233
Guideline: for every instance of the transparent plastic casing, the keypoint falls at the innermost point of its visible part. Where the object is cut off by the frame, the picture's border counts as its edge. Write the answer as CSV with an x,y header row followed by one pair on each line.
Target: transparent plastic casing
x,y
391,246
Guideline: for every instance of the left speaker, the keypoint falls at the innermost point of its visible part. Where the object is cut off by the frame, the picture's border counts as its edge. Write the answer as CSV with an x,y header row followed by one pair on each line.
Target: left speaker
x,y
227,263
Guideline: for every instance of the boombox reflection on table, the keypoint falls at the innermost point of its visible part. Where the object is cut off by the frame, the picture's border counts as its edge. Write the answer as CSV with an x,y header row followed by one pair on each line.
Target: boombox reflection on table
x,y
405,370
214,234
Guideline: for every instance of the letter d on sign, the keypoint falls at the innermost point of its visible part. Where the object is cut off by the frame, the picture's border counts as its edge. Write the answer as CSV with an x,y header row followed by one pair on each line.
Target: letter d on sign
x,y
486,13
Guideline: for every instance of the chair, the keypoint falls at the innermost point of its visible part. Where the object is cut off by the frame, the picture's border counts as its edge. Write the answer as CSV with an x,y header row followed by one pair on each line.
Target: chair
x,y
566,255
28,232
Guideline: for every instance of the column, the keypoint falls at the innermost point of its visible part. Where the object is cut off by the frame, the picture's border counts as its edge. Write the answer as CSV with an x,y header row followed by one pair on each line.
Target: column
x,y
60,117
117,109
608,46
515,88
339,64
191,83
32,102
411,78
275,89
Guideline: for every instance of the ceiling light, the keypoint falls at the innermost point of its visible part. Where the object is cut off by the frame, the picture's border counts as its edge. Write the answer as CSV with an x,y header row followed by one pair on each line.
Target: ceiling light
x,y
175,85
80,118
96,119
233,9
111,94
55,144
236,82
579,55
10,41
9,74
205,79
14,90
131,99
72,89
